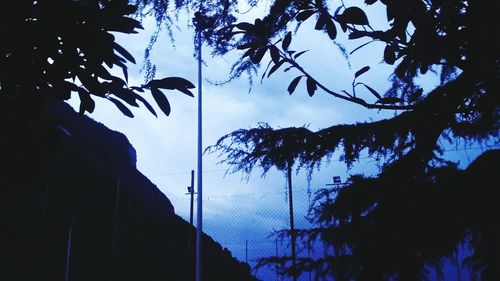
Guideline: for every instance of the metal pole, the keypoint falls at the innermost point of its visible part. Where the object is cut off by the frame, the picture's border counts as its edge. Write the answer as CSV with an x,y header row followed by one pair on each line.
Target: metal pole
x,y
68,249
292,227
189,263
199,224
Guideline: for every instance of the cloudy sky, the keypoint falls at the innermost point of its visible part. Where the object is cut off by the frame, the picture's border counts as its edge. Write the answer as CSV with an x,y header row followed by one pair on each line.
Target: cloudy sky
x,y
237,211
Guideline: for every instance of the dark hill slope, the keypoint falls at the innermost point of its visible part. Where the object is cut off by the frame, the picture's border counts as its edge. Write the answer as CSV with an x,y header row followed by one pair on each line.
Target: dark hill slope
x,y
65,171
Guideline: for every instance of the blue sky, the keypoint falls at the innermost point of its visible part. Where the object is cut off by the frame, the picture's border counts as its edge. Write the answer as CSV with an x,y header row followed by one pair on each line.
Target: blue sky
x,y
235,210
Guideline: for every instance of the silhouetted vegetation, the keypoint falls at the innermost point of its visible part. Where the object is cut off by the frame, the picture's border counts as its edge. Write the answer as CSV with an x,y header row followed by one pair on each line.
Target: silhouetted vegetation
x,y
420,207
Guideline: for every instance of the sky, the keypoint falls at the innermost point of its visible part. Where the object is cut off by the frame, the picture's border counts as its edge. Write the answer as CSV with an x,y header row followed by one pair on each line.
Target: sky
x,y
238,213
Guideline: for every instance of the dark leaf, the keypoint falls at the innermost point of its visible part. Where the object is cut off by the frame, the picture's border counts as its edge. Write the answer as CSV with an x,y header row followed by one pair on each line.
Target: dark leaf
x,y
286,41
299,54
161,100
375,93
353,15
311,86
343,26
361,71
121,107
361,46
293,84
337,11
249,52
304,15
245,26
275,53
257,56
389,55
171,83
320,24
126,95
135,88
86,102
389,100
123,52
146,103
331,29
356,34
275,67
370,2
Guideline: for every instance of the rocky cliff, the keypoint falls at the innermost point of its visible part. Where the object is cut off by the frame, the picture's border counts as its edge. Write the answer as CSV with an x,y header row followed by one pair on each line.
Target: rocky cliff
x,y
73,206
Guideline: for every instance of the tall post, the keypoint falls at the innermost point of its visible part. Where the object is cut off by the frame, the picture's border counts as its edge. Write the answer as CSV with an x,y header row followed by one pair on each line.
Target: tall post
x,y
292,226
199,223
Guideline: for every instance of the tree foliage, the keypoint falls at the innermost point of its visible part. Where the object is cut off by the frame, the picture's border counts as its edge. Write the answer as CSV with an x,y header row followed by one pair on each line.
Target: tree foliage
x,y
415,212
60,48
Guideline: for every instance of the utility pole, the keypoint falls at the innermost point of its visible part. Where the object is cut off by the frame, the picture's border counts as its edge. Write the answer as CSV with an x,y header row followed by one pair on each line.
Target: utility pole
x,y
198,23
292,226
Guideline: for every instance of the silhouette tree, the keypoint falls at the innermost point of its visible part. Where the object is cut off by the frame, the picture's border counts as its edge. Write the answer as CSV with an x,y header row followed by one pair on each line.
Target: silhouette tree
x,y
268,148
409,217
58,49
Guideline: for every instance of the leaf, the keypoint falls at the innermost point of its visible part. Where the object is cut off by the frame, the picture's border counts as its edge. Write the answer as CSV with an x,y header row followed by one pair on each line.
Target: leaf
x,y
354,15
299,54
331,29
361,71
361,46
146,103
311,86
275,53
320,24
123,52
370,2
389,55
304,15
375,93
337,11
171,83
86,102
293,84
275,67
257,56
126,95
355,34
286,41
389,100
121,107
245,26
161,100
